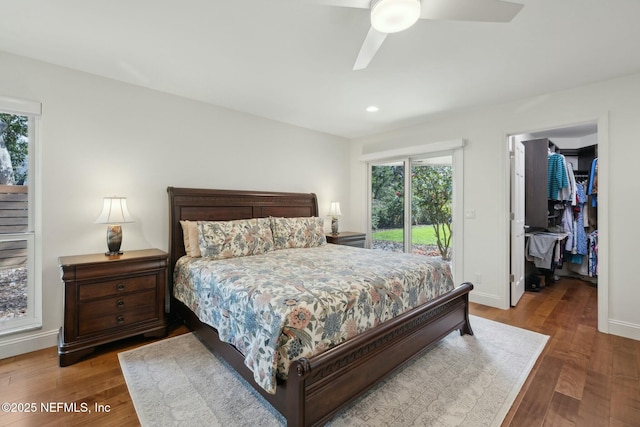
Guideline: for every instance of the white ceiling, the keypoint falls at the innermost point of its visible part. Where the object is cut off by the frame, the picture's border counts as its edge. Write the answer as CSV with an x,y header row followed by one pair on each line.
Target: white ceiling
x,y
291,60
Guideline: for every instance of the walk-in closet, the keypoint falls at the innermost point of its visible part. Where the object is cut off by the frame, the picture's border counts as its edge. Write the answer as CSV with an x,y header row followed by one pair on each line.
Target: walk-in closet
x,y
561,206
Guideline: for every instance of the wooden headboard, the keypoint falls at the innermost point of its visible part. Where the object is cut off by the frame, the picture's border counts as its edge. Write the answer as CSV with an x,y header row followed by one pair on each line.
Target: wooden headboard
x,y
224,205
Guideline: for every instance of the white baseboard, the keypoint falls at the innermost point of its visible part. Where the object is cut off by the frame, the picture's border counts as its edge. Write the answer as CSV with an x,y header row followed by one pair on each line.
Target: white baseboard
x,y
486,299
27,344
624,329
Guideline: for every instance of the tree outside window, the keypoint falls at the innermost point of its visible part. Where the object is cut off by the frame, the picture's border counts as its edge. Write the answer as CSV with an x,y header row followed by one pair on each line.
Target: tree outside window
x,y
14,149
432,198
14,216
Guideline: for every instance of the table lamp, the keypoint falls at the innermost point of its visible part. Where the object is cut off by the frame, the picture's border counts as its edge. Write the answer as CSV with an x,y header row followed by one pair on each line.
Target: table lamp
x,y
114,213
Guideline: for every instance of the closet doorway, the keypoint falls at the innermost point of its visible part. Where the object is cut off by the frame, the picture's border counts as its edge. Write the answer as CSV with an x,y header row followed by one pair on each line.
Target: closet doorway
x,y
554,208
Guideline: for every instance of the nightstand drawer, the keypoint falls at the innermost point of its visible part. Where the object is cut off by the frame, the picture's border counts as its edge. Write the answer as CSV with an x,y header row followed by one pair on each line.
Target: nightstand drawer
x,y
100,324
115,287
116,305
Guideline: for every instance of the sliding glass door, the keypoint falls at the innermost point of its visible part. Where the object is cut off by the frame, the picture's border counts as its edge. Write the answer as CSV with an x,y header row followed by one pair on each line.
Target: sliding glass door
x,y
412,205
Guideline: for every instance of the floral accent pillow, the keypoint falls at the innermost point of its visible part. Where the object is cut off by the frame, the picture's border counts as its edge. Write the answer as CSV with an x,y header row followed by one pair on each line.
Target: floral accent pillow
x,y
229,239
304,232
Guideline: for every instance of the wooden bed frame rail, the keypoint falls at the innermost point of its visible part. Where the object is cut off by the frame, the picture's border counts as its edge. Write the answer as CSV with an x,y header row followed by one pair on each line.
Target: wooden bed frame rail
x,y
319,387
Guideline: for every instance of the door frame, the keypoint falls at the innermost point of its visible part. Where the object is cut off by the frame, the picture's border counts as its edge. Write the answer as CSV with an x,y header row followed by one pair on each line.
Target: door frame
x,y
603,210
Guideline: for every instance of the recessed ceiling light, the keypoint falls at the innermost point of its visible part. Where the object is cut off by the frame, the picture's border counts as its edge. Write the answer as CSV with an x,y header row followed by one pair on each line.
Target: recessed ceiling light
x,y
372,108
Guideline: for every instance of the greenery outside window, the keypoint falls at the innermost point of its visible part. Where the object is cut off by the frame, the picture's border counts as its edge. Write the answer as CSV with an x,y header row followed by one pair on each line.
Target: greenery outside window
x,y
20,288
428,185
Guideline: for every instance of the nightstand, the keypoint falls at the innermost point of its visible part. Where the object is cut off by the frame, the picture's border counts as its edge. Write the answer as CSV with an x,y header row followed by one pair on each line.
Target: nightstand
x,y
348,238
107,298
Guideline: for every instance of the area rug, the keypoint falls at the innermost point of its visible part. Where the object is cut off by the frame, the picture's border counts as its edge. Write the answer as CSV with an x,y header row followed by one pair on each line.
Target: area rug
x,y
461,381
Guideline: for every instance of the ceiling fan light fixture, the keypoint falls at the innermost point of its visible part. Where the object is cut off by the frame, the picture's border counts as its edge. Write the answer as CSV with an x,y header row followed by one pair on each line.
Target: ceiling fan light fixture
x,y
392,16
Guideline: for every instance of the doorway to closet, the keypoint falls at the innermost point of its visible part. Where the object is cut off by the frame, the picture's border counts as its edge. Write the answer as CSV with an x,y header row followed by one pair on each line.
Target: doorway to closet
x,y
554,208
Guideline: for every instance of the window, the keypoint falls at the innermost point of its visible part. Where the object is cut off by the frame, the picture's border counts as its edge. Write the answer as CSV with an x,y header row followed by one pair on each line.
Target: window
x,y
20,291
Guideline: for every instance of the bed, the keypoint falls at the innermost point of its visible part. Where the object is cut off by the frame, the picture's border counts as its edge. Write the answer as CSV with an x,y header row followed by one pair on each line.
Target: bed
x,y
314,388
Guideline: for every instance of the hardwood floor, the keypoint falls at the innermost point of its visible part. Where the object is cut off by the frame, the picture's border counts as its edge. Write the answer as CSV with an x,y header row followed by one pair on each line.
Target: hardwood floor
x,y
582,378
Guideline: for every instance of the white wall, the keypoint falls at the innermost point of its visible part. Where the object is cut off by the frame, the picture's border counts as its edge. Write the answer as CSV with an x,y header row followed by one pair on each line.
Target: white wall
x,y
616,106
103,138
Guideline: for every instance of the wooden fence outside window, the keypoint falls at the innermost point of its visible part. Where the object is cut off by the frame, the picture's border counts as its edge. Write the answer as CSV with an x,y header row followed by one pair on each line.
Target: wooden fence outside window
x,y
14,218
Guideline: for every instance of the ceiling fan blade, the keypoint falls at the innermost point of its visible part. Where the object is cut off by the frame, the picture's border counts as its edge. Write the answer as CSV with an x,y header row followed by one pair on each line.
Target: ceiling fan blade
x,y
470,10
360,4
371,44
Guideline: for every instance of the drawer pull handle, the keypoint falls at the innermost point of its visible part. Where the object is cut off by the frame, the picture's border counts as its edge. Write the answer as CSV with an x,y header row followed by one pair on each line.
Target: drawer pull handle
x,y
120,303
120,319
121,286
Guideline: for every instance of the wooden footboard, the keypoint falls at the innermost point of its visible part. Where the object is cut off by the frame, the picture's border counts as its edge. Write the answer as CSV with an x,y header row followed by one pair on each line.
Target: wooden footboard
x,y
319,387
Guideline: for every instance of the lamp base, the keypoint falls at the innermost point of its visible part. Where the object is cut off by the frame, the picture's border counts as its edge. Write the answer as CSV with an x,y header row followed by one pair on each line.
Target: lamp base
x,y
114,240
334,225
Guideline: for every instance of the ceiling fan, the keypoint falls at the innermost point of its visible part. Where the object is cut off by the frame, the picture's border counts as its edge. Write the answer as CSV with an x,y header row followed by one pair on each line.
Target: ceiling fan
x,y
392,16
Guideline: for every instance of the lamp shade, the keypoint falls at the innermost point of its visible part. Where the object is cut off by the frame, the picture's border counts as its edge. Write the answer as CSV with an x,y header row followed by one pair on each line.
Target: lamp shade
x,y
392,16
114,211
334,210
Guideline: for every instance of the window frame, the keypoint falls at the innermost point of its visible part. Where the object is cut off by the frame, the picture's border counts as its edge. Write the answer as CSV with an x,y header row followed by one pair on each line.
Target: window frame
x,y
33,318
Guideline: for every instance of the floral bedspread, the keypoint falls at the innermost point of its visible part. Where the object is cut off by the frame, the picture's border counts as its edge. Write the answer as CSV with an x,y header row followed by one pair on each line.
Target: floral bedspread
x,y
291,303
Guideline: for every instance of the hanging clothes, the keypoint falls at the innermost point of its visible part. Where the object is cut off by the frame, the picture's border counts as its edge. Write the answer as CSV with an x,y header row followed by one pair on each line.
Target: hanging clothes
x,y
557,176
593,253
568,227
579,234
593,183
568,193
544,249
